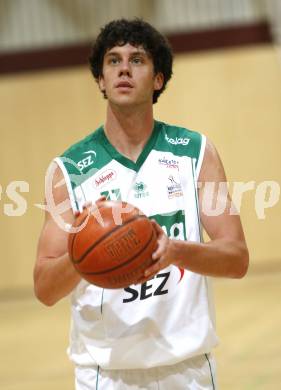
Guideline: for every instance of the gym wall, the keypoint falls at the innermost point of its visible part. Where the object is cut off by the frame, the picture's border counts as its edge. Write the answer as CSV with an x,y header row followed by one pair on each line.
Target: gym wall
x,y
233,96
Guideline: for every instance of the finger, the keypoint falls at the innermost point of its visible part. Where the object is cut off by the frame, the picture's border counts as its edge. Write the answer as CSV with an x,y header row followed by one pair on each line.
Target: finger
x,y
84,207
87,208
157,228
152,270
101,199
97,202
144,279
159,251
157,254
89,205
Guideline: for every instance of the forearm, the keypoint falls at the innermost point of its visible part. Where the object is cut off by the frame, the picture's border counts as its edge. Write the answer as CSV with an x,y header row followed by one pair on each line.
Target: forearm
x,y
54,278
219,258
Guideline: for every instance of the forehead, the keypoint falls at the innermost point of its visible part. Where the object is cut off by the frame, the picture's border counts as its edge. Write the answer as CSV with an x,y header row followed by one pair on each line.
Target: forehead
x,y
126,49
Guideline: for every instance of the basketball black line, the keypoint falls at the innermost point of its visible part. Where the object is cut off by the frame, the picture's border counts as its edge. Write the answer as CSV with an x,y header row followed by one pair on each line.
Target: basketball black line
x,y
74,238
105,236
121,265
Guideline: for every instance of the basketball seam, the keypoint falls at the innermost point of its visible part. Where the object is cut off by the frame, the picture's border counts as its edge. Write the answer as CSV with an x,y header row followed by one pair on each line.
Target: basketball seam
x,y
74,238
123,264
104,237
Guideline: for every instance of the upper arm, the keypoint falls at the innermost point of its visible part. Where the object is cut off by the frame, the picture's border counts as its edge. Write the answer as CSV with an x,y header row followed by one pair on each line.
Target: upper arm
x,y
216,210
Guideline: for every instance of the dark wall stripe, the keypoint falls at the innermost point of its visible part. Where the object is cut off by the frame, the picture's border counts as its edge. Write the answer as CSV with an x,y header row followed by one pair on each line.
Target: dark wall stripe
x,y
38,59
221,38
57,57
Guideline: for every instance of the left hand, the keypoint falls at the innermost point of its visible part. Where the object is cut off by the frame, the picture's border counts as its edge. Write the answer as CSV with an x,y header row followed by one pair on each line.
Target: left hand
x,y
160,256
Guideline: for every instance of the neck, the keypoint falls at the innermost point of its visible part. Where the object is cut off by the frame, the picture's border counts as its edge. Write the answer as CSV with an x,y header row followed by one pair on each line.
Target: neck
x,y
129,130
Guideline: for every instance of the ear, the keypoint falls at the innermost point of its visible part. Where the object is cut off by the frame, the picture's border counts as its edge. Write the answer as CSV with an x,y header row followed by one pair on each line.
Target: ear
x,y
158,81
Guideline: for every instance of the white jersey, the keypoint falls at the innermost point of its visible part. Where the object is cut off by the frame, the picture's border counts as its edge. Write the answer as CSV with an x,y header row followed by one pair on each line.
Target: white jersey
x,y
170,317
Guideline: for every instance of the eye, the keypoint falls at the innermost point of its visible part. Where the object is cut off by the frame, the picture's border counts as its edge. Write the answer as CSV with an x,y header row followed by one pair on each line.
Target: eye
x,y
137,60
113,60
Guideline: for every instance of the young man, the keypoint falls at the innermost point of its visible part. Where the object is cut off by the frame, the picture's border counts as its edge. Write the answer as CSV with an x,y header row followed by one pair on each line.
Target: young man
x,y
158,333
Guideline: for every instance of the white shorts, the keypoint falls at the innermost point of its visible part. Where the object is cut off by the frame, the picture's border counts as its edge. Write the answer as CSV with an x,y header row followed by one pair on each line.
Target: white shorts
x,y
197,373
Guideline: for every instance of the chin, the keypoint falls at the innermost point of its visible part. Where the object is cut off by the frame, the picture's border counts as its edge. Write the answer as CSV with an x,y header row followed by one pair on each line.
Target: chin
x,y
124,101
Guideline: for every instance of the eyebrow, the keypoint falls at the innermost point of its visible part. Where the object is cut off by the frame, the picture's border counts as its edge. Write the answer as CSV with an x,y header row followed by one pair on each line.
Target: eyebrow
x,y
114,53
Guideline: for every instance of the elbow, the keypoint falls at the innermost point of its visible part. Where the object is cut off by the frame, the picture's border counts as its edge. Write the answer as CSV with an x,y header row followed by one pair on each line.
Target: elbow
x,y
43,297
41,290
243,264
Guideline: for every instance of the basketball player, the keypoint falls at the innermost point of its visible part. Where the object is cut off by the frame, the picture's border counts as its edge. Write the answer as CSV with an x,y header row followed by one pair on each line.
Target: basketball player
x,y
159,332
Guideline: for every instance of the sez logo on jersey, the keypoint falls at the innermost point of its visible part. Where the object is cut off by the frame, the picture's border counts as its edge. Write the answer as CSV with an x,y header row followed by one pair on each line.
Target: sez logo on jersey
x,y
88,160
177,141
158,285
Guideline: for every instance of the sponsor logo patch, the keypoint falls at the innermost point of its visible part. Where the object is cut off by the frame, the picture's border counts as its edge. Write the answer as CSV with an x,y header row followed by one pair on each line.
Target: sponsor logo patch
x,y
104,178
168,163
177,141
140,190
87,161
173,188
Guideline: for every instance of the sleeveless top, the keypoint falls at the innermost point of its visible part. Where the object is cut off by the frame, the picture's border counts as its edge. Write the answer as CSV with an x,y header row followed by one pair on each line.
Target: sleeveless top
x,y
170,317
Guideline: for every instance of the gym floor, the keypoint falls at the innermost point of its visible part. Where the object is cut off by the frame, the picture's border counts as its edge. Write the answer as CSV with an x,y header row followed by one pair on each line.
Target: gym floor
x,y
34,338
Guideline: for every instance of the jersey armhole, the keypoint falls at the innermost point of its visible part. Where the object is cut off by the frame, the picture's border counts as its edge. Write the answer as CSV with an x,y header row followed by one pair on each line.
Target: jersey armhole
x,y
71,194
201,156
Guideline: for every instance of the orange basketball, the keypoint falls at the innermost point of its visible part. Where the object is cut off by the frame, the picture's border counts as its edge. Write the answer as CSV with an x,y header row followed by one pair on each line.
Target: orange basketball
x,y
114,247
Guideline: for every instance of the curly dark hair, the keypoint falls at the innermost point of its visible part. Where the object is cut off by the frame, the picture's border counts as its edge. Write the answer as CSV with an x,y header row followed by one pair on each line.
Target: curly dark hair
x,y
138,33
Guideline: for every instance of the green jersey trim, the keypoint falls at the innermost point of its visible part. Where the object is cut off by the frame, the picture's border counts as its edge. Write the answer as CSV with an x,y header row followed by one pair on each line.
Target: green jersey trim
x,y
123,159
197,202
69,185
86,157
86,154
200,158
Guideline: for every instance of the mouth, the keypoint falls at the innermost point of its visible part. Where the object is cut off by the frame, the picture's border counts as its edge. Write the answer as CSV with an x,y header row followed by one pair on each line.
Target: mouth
x,y
124,84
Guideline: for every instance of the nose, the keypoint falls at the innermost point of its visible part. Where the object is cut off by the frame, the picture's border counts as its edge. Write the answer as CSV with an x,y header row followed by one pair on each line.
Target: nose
x,y
125,69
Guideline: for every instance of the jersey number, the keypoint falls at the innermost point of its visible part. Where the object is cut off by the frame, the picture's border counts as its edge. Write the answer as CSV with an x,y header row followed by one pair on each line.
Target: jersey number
x,y
114,194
